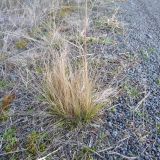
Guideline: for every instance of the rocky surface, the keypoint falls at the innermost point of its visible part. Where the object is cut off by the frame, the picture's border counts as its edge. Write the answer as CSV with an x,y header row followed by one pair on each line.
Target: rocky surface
x,y
142,20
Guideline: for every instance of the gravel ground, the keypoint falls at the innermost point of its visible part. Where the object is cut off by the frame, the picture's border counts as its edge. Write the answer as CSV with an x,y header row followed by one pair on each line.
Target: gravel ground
x,y
142,19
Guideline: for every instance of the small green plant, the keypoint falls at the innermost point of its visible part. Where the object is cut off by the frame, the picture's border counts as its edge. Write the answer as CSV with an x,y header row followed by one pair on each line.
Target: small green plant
x,y
103,41
39,70
147,53
4,84
41,98
151,50
106,41
85,153
109,24
132,91
113,110
14,157
140,114
4,117
158,129
30,109
22,44
96,40
10,139
158,82
33,143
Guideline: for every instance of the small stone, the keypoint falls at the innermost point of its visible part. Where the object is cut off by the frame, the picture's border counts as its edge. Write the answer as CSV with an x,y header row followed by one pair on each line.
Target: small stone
x,y
110,124
148,36
115,133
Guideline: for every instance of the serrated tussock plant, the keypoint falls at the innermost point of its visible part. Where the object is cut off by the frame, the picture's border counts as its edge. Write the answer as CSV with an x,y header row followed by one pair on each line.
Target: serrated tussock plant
x,y
69,91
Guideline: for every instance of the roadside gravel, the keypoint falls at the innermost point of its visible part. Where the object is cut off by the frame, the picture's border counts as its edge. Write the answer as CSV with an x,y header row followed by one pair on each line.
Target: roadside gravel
x,y
142,21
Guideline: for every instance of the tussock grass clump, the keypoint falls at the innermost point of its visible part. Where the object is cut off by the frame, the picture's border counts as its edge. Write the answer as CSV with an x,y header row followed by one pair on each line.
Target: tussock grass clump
x,y
69,91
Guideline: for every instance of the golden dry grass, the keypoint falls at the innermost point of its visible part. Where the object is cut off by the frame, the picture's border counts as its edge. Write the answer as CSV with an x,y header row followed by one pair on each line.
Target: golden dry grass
x,y
69,91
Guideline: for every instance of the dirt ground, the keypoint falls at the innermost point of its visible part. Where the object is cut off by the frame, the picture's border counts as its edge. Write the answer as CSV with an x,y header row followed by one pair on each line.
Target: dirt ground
x,y
123,47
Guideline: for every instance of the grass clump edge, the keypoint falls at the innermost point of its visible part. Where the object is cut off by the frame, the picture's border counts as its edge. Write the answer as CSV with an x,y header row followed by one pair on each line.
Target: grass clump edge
x,y
70,91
